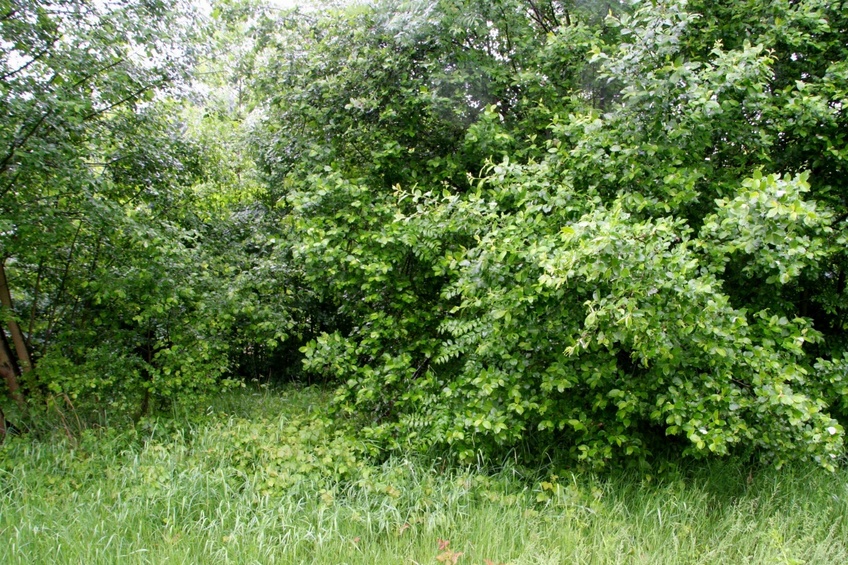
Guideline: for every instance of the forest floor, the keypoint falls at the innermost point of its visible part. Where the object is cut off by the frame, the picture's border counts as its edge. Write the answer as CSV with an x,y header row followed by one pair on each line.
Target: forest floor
x,y
261,477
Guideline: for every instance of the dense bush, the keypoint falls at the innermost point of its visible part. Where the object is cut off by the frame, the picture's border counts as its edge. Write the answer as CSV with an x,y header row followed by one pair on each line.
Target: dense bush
x,y
655,248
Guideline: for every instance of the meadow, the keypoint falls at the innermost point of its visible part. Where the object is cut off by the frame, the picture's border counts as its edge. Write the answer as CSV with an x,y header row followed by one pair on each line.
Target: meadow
x,y
261,477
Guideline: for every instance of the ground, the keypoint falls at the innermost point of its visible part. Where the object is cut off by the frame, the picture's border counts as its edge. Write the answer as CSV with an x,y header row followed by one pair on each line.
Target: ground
x,y
261,478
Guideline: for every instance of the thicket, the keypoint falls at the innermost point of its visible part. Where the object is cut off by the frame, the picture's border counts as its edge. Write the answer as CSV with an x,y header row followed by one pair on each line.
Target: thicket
x,y
606,229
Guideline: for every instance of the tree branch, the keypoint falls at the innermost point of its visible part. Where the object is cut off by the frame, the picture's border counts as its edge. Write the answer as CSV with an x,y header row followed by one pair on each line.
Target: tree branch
x,y
124,100
34,58
20,141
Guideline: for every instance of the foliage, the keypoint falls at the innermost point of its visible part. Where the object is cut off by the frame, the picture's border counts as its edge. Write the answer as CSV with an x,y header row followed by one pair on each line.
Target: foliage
x,y
115,213
605,230
652,258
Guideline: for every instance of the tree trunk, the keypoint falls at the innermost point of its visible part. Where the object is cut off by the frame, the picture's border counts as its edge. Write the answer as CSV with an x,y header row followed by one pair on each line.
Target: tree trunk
x,y
17,335
9,370
2,426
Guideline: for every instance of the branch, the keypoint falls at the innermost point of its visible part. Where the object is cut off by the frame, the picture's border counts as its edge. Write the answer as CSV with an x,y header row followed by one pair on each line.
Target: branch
x,y
34,309
538,17
10,184
86,78
124,100
19,142
35,58
52,318
554,16
106,163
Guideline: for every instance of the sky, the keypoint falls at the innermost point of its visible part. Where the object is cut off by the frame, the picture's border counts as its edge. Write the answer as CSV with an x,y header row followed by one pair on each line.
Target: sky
x,y
205,6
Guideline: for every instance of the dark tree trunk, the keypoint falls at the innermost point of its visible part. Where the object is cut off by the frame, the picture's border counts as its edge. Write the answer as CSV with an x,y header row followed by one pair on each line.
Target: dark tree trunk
x,y
9,370
18,340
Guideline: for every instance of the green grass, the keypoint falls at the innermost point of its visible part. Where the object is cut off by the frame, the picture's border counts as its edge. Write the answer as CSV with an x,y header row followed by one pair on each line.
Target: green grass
x,y
202,493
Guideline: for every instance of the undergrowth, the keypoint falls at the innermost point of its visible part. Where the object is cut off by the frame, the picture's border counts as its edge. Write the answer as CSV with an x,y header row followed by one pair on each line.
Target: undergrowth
x,y
263,477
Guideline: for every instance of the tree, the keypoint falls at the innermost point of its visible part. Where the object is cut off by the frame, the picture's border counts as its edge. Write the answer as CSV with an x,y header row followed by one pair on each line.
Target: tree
x,y
96,204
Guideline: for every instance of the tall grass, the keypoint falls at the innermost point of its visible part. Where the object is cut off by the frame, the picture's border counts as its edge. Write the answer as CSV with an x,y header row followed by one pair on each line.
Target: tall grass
x,y
162,493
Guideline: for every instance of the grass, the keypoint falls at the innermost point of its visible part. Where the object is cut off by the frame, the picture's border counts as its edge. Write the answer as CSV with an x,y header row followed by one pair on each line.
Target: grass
x,y
257,481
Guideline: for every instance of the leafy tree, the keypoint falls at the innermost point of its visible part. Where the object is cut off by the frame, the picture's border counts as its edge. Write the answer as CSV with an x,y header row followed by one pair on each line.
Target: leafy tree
x,y
98,236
